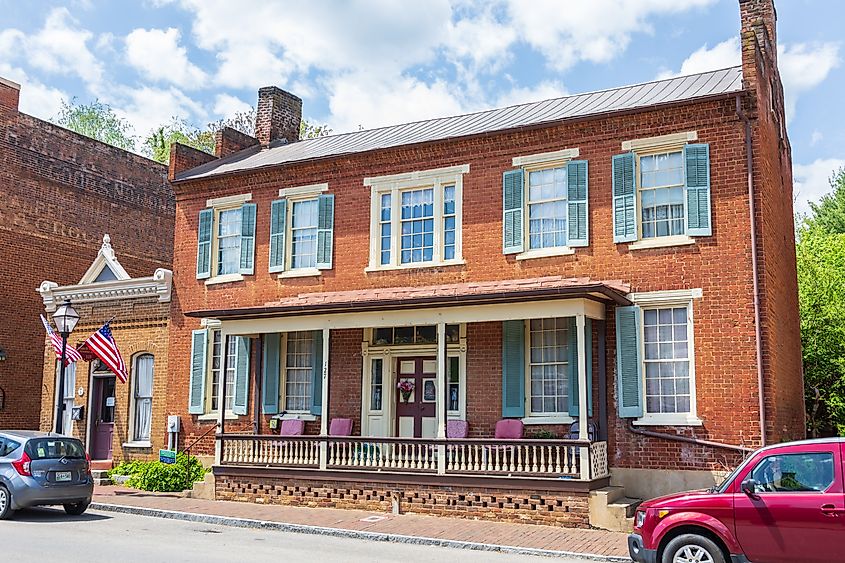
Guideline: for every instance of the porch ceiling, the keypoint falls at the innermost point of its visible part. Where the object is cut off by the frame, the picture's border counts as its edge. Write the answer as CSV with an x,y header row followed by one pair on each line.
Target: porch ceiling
x,y
447,295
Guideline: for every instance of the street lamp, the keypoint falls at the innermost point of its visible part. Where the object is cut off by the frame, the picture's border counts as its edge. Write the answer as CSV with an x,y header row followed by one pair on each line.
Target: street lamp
x,y
65,318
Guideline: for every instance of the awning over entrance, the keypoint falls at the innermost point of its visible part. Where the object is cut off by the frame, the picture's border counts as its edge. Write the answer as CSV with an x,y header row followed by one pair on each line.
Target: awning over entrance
x,y
446,295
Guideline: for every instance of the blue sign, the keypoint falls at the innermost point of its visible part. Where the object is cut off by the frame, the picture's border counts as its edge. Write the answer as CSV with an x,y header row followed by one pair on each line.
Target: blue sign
x,y
167,456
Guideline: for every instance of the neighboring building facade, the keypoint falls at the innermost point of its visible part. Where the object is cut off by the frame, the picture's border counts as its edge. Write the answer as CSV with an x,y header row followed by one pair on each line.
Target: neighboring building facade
x,y
595,259
116,421
61,191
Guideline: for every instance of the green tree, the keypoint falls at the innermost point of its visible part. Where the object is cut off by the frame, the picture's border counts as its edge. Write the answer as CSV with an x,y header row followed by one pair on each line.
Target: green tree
x,y
157,144
98,121
829,212
309,130
821,299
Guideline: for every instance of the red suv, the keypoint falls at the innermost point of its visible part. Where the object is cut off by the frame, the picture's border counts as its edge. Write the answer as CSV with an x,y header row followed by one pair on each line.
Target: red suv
x,y
785,503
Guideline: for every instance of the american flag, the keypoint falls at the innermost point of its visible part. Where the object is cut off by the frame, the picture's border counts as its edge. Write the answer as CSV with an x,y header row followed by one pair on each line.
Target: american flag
x,y
102,345
71,353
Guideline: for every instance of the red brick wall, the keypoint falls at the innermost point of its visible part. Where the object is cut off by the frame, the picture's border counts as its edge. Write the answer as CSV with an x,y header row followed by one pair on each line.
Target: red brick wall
x,y
61,192
720,264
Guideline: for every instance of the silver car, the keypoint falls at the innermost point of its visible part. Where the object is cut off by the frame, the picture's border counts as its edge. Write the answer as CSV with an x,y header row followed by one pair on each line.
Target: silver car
x,y
43,468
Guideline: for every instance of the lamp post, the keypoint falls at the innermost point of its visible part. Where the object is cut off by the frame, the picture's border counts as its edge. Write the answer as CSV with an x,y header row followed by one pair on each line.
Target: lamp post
x,y
65,318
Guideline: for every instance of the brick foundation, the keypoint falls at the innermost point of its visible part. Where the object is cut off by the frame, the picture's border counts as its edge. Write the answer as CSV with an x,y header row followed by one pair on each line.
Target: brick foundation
x,y
555,508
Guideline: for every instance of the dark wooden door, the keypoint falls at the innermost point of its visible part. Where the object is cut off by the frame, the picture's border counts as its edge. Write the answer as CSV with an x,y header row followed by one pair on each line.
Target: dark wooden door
x,y
102,417
415,414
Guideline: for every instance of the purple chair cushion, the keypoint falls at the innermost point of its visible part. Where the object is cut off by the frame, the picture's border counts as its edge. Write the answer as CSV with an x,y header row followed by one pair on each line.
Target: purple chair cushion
x,y
509,429
457,429
340,427
292,428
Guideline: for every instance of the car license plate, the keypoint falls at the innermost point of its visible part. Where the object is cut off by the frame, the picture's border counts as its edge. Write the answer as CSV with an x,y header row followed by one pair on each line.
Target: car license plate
x,y
63,476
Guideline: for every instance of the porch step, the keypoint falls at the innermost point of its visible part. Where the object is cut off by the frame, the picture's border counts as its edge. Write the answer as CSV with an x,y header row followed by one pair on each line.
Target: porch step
x,y
611,510
203,489
101,477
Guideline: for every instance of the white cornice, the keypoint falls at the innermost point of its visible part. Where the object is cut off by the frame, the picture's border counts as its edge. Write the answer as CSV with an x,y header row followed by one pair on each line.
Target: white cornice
x,y
418,175
105,259
158,285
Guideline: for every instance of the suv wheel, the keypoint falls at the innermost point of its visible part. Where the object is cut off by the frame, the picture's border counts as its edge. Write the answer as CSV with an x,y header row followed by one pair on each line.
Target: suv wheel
x,y
692,548
5,503
77,508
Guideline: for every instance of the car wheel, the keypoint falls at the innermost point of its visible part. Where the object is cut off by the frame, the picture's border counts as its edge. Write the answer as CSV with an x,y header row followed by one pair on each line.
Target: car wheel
x,y
77,508
5,503
692,548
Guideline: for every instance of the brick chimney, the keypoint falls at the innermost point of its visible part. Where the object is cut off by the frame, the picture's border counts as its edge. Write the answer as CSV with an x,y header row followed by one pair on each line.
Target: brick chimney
x,y
758,35
10,93
278,116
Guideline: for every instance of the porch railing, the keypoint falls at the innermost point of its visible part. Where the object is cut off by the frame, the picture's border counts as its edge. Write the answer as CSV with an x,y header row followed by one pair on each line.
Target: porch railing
x,y
572,459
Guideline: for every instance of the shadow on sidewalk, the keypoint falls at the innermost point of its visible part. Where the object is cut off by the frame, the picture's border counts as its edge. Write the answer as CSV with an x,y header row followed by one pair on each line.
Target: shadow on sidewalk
x,y
53,515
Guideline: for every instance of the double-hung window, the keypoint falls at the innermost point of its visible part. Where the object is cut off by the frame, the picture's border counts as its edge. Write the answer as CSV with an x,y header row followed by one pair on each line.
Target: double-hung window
x,y
548,359
302,231
655,359
661,191
416,218
292,373
226,239
299,368
219,363
142,398
545,205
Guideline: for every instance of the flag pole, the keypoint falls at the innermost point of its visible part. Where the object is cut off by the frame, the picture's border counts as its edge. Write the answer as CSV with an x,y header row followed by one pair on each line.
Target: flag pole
x,y
60,408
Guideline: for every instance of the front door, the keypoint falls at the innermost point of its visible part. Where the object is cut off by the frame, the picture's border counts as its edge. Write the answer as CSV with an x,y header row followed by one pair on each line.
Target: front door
x,y
102,416
416,409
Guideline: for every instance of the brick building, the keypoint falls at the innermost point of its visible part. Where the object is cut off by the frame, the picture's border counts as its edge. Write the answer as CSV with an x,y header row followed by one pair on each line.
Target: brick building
x,y
116,421
61,191
611,273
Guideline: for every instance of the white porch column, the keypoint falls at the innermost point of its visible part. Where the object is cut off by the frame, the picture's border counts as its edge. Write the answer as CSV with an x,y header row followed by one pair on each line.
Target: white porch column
x,y
221,401
324,416
583,407
440,403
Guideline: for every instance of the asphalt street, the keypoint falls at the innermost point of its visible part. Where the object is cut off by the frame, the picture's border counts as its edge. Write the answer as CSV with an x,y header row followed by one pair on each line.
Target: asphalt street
x,y
48,535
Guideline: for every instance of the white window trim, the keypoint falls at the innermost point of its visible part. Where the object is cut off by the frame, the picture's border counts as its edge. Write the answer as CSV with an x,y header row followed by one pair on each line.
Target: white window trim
x,y
311,190
670,298
660,143
530,163
218,205
540,417
137,444
300,273
394,184
228,201
213,416
303,195
132,399
227,278
283,377
661,242
211,325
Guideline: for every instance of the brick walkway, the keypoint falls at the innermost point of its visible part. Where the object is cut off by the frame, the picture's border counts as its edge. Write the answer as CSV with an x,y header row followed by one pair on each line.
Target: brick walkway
x,y
595,542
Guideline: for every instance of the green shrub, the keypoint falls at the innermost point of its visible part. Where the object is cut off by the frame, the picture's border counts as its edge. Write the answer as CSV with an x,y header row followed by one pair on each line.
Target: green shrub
x,y
162,477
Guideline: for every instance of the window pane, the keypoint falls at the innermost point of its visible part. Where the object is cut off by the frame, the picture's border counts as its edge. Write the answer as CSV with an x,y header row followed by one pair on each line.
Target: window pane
x,y
143,397
794,473
666,360
299,358
417,212
549,365
304,234
547,208
216,368
229,242
662,195
376,386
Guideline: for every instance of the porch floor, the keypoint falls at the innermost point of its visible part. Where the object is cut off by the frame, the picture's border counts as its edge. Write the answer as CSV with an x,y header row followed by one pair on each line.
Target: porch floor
x,y
582,541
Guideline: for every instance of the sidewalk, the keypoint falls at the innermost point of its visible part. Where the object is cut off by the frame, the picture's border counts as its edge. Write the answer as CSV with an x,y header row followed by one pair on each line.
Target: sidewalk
x,y
411,528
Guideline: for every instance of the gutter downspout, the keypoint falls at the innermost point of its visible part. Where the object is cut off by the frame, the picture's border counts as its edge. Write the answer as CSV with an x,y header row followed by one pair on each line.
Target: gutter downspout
x,y
757,325
635,430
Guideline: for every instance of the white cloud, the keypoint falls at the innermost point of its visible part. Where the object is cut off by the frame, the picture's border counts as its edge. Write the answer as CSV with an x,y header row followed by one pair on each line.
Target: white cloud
x,y
812,181
156,53
62,47
36,99
227,106
803,66
816,137
543,91
722,55
146,108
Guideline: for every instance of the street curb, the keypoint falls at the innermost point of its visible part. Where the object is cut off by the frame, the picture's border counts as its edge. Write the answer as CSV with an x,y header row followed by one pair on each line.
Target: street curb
x,y
343,533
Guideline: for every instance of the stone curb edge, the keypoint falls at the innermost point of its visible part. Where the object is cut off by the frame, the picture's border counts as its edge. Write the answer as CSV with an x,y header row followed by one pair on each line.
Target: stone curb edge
x,y
344,533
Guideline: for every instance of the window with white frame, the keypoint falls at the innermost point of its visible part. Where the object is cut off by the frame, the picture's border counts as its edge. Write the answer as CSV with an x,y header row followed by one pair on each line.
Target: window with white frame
x,y
661,193
546,207
67,396
548,366
142,398
416,218
216,371
666,360
301,231
228,241
298,370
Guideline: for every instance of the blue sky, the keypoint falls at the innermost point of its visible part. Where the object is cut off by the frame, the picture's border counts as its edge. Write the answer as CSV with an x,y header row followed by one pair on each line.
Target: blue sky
x,y
378,62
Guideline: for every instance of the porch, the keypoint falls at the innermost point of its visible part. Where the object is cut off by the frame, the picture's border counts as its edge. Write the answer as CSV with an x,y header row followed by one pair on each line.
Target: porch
x,y
391,444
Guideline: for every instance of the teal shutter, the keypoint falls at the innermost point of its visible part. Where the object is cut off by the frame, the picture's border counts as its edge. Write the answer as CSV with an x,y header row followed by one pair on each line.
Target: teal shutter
x,y
513,369
629,371
270,374
317,375
512,204
204,244
573,366
247,238
278,210
624,198
241,375
196,386
577,208
325,231
697,160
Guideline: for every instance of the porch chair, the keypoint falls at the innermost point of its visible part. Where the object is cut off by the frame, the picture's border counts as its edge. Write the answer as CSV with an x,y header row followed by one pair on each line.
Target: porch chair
x,y
292,427
457,429
575,428
340,427
509,429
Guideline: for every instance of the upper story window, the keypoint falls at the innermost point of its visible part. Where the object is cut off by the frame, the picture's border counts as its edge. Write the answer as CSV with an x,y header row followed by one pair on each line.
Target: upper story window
x,y
661,191
416,218
226,239
550,189
302,231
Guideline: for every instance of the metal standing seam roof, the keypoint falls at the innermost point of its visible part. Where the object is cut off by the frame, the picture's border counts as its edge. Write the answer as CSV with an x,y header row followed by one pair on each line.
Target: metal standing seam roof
x,y
671,90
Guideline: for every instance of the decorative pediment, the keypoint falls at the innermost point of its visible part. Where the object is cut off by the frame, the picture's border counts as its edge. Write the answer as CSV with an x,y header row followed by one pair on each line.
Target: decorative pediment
x,y
105,266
